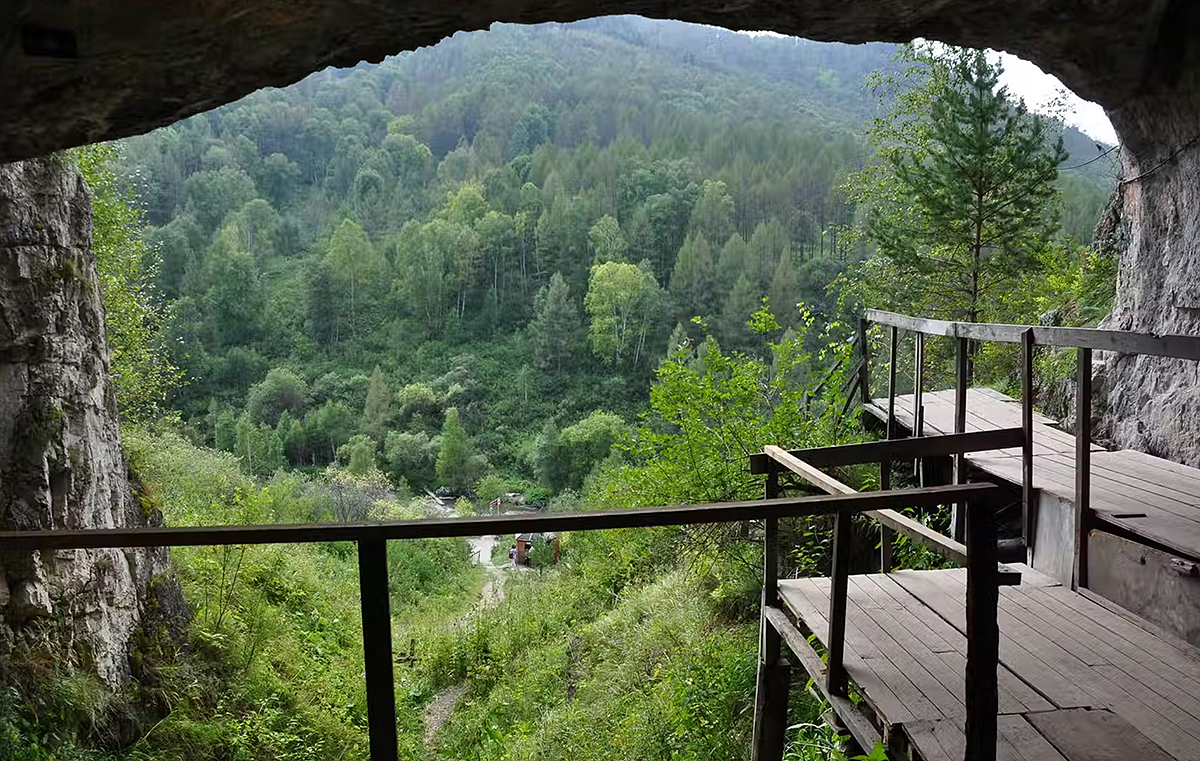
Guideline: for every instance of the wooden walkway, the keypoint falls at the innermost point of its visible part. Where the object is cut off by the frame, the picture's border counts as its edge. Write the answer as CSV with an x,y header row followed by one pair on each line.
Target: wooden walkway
x,y
1144,495
1077,680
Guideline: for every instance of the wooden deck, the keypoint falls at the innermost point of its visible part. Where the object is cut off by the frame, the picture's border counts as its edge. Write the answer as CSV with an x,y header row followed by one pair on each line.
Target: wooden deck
x,y
1078,681
1144,495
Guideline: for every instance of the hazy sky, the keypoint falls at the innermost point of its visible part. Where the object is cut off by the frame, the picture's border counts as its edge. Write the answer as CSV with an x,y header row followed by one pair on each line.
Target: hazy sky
x,y
1027,81
1037,87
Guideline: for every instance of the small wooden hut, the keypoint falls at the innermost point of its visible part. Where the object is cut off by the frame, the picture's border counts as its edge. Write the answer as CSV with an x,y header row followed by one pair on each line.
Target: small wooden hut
x,y
525,544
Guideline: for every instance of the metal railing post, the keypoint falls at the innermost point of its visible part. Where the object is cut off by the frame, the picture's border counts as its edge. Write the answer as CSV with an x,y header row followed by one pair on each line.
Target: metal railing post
x,y
377,648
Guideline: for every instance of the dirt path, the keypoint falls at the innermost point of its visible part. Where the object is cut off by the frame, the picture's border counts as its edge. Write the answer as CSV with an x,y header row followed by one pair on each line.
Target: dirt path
x,y
492,593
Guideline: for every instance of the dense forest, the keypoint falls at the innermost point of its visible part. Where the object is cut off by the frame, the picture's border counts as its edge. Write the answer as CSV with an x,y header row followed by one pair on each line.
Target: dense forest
x,y
593,265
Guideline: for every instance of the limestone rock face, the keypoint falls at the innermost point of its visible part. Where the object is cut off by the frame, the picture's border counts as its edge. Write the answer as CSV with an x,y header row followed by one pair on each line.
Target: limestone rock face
x,y
1153,404
61,465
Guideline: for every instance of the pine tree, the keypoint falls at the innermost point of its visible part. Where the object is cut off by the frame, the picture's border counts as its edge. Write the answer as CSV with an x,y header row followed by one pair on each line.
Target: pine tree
x,y
694,279
378,408
964,200
735,315
555,329
784,292
454,460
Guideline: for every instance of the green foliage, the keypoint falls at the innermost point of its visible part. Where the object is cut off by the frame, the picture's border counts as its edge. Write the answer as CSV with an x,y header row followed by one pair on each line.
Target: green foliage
x,y
281,391
359,455
555,328
274,659
411,457
623,301
126,267
963,200
457,465
377,410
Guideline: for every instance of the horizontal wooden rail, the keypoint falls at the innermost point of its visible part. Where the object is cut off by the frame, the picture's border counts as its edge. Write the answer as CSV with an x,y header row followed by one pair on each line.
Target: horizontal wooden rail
x,y
860,727
720,512
917,532
1121,341
898,449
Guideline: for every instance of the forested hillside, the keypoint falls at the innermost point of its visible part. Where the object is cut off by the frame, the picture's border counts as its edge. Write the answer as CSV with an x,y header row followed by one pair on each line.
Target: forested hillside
x,y
358,253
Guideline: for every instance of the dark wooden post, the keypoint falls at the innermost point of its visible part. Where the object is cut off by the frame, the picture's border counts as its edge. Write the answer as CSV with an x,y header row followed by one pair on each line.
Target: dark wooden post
x,y
377,648
885,467
864,372
774,676
840,573
983,632
1083,464
961,382
918,393
1029,509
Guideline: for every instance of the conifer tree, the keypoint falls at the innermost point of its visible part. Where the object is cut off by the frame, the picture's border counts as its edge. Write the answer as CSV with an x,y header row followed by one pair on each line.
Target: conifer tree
x,y
694,279
378,407
555,329
963,201
454,460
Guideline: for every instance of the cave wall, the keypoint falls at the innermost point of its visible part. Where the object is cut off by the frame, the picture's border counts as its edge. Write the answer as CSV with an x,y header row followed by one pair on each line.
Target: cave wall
x,y
61,464
1153,404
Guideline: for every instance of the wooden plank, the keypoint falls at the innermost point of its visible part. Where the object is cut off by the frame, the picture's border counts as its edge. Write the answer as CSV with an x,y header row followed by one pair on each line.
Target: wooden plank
x,y
1023,742
943,740
378,670
939,445
803,595
917,531
938,634
1016,695
1096,736
916,663
983,633
1077,632
1083,465
835,645
1178,487
1028,500
1158,462
944,595
923,737
1111,489
1130,513
1121,341
1166,710
427,528
1189,651
860,728
1166,648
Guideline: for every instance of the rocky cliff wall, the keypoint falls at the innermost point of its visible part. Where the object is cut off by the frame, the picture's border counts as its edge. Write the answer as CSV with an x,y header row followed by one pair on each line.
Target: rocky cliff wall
x,y
61,465
1154,404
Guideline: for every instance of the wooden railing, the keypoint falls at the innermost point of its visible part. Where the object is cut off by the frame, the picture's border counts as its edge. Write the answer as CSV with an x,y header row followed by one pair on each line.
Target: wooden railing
x,y
372,539
978,554
1084,340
